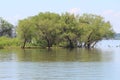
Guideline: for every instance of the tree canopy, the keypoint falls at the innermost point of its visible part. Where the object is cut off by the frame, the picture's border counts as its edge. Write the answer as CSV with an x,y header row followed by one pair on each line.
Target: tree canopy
x,y
47,25
95,29
66,30
5,28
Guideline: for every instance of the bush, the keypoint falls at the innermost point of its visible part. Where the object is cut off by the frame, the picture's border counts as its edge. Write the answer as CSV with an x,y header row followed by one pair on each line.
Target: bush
x,y
8,42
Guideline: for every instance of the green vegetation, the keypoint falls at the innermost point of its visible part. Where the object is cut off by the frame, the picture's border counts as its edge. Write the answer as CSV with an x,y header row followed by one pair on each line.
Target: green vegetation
x,y
8,42
5,28
65,30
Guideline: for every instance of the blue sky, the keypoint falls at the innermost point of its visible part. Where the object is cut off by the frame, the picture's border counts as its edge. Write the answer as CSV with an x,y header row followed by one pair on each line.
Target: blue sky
x,y
14,10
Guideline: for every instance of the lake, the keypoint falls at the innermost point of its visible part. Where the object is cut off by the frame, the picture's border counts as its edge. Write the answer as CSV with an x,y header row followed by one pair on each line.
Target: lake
x,y
101,63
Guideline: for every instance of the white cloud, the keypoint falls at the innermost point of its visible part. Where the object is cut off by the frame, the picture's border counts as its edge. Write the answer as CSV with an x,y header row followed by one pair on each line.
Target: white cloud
x,y
74,11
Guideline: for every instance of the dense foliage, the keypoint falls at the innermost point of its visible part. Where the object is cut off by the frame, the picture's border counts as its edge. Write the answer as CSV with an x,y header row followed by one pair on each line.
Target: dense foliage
x,y
65,30
6,28
8,42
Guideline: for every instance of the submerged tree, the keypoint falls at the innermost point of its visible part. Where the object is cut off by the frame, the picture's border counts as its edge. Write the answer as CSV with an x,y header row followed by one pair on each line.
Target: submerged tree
x,y
95,29
70,30
47,25
25,31
67,29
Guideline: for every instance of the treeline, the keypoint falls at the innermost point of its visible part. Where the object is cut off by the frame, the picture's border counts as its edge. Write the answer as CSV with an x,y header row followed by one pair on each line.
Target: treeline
x,y
6,28
7,34
61,30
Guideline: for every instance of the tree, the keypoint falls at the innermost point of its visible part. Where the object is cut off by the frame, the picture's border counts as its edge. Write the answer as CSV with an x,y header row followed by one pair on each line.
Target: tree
x,y
47,25
66,29
95,29
25,31
5,28
70,29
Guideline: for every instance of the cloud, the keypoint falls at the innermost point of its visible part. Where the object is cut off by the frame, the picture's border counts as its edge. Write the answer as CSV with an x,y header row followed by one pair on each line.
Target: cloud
x,y
74,11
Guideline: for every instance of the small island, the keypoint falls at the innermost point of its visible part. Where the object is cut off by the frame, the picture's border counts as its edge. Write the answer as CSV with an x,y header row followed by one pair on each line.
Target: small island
x,y
49,29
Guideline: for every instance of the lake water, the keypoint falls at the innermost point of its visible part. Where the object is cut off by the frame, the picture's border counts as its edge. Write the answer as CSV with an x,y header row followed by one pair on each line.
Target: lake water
x,y
101,63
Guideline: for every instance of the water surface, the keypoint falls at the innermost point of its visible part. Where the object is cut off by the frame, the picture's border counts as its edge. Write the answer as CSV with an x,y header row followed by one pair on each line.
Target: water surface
x,y
101,63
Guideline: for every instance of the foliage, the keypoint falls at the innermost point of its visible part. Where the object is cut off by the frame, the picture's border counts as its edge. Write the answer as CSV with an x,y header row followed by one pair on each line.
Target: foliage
x,y
70,29
66,30
5,28
25,31
47,28
6,42
95,29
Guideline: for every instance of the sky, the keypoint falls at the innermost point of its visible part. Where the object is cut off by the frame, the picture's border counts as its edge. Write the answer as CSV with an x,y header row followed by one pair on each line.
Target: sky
x,y
15,10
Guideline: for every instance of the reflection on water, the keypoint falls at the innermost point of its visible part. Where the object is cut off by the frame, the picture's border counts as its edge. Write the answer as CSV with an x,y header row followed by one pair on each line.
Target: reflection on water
x,y
56,55
60,64
59,55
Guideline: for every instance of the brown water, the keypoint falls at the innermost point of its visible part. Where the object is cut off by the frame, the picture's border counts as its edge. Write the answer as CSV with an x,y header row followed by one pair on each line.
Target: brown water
x,y
60,64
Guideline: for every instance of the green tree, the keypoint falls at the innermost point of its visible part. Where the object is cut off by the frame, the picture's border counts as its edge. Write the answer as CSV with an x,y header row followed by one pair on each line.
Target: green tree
x,y
48,29
5,28
70,29
47,25
95,29
25,31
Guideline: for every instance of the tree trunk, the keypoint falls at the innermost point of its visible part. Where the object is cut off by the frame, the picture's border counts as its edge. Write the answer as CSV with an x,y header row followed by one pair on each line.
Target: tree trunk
x,y
88,45
70,45
24,43
49,44
94,44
